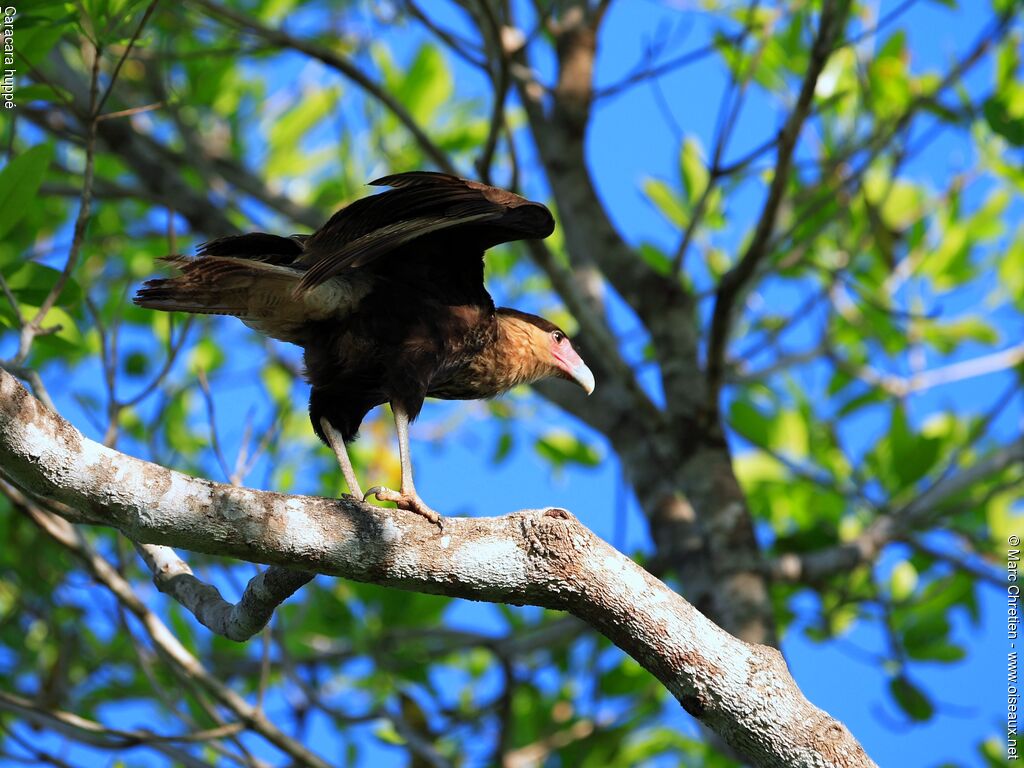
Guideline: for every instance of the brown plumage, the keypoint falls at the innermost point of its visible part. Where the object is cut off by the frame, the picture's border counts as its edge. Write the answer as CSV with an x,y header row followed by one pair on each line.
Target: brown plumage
x,y
388,301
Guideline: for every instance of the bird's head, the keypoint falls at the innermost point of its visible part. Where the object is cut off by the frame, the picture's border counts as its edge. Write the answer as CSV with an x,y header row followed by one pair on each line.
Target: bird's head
x,y
544,349
567,362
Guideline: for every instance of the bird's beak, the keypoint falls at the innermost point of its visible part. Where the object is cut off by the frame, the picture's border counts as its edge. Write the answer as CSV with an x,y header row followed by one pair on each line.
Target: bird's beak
x,y
583,376
573,368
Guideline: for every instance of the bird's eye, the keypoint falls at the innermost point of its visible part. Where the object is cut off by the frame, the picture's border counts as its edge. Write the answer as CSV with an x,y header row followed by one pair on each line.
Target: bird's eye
x,y
558,336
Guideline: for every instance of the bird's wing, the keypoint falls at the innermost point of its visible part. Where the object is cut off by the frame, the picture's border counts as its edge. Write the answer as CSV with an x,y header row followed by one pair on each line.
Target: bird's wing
x,y
469,214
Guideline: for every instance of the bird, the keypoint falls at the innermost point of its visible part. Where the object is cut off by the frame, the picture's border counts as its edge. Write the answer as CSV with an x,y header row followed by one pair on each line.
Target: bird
x,y
387,300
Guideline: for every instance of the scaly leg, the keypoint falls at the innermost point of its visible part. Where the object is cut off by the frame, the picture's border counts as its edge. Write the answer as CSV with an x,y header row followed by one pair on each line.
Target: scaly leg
x,y
407,498
337,443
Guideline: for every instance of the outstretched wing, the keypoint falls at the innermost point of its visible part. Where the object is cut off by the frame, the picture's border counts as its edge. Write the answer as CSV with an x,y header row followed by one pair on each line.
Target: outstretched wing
x,y
469,216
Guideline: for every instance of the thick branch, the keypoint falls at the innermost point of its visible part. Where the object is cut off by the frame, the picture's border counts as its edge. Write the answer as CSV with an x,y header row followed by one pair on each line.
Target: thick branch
x,y
173,577
590,236
547,558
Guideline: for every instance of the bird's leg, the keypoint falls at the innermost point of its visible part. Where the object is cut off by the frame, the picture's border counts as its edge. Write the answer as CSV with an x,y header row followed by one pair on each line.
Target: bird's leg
x,y
407,498
337,443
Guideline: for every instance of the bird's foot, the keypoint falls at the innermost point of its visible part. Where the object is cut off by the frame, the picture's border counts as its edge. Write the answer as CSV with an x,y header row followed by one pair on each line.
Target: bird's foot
x,y
410,502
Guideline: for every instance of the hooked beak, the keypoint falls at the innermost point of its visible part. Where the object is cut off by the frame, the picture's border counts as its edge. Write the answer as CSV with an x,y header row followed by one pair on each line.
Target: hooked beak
x,y
572,367
583,376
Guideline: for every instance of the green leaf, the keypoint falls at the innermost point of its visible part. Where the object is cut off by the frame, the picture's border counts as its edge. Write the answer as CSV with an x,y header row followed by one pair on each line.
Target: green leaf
x,y
924,628
666,201
888,78
19,184
1003,115
911,699
561,448
1011,269
903,205
949,264
287,133
993,751
903,581
790,434
41,92
756,468
694,170
948,337
39,31
386,733
939,651
136,363
655,258
31,283
503,448
912,454
1003,517
750,422
427,85
278,382
206,356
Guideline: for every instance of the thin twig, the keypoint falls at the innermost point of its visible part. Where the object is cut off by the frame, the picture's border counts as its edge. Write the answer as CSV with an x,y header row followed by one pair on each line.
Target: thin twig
x,y
124,55
31,329
342,65
131,111
833,16
211,416
500,80
728,115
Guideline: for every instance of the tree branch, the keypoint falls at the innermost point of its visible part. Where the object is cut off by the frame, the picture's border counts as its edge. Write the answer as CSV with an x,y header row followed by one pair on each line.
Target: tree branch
x,y
547,558
833,15
815,566
238,622
187,667
340,64
901,386
99,735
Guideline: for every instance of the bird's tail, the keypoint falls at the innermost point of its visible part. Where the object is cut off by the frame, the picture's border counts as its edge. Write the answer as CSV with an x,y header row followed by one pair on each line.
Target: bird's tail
x,y
218,285
247,276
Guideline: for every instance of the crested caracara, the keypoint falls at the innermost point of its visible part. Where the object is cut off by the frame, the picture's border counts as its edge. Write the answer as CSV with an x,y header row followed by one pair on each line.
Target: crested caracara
x,y
388,301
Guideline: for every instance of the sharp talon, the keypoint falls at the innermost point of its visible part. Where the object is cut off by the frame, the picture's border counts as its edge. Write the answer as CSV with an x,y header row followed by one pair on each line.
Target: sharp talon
x,y
375,491
431,516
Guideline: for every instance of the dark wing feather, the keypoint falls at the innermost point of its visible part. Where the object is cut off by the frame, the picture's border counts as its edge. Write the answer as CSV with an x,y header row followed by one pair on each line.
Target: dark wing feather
x,y
469,215
258,246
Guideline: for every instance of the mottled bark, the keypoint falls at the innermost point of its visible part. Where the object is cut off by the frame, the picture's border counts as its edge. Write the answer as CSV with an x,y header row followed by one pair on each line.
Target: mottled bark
x,y
238,621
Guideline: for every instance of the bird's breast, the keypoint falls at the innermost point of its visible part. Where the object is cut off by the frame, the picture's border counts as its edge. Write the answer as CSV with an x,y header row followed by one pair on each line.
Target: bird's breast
x,y
469,331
